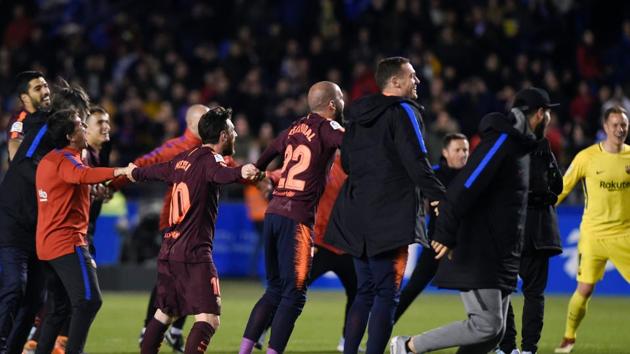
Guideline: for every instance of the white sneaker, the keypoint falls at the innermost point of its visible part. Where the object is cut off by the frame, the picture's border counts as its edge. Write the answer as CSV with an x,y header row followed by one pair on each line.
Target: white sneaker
x,y
528,353
342,344
141,337
565,346
499,351
397,345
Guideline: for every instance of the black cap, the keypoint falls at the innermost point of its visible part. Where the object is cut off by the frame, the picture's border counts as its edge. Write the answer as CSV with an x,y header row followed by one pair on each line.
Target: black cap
x,y
533,98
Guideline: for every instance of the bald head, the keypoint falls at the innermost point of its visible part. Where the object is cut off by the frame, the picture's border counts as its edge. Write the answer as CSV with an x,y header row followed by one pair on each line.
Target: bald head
x,y
325,98
193,114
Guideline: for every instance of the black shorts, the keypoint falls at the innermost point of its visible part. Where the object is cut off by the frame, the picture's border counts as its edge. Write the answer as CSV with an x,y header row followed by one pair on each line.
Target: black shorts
x,y
188,288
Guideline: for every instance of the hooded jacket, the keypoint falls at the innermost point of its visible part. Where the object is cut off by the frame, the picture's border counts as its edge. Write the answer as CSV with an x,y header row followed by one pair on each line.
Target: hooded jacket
x,y
380,206
542,236
483,218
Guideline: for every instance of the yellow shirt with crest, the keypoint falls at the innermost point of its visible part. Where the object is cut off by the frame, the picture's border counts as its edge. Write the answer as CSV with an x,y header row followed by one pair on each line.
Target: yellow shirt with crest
x,y
605,178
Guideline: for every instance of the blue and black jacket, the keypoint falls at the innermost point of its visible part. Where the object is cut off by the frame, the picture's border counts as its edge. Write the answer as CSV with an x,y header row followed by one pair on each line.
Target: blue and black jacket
x,y
380,206
18,202
483,218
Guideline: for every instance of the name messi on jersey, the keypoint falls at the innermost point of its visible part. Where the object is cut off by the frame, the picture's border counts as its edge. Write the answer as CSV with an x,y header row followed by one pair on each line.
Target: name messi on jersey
x,y
182,165
612,186
304,130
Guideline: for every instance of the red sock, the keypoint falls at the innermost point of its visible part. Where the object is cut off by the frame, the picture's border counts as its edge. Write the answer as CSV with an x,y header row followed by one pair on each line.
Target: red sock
x,y
199,338
153,336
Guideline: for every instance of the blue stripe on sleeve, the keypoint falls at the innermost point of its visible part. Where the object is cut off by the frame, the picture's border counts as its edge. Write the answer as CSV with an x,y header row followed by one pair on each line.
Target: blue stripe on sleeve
x,y
37,140
84,273
70,157
435,167
416,126
485,160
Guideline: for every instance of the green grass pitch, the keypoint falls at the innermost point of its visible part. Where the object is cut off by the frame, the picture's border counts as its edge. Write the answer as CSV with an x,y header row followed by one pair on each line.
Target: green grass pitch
x,y
606,328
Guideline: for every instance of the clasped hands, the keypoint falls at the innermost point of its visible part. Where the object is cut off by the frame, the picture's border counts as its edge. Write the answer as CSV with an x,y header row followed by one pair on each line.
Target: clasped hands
x,y
439,248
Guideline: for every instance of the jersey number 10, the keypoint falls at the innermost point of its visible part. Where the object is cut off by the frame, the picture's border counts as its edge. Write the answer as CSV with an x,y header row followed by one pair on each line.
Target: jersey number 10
x,y
180,203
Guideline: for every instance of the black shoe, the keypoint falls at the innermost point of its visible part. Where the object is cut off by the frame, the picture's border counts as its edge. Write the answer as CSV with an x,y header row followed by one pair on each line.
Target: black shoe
x,y
176,341
261,340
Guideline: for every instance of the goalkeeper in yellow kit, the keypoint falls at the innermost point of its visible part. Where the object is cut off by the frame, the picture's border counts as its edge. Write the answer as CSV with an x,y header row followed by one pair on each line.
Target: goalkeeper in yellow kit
x,y
604,170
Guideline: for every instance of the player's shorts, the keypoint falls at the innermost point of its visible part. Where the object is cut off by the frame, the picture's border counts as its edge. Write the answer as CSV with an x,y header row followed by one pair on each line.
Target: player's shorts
x,y
595,252
188,288
288,253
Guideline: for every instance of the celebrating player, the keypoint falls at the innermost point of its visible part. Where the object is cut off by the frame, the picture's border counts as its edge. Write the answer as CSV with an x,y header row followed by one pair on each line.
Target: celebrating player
x,y
604,169
308,146
188,282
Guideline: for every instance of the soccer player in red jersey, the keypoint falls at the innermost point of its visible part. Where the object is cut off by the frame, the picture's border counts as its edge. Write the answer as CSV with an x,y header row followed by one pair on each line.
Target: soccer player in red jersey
x,y
188,282
63,195
308,146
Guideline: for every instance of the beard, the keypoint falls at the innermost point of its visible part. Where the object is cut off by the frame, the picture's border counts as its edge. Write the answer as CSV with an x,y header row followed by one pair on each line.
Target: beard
x,y
42,107
228,149
541,129
339,116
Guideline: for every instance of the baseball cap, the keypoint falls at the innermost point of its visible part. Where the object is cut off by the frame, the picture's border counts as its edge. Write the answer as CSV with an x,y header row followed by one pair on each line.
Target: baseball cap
x,y
533,98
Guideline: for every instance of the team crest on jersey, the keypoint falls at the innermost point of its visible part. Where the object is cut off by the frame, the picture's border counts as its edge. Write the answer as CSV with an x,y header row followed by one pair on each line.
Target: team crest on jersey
x,y
43,196
16,127
335,125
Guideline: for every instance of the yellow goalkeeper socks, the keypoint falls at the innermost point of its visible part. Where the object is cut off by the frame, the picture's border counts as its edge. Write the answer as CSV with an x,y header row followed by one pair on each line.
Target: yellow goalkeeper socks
x,y
575,313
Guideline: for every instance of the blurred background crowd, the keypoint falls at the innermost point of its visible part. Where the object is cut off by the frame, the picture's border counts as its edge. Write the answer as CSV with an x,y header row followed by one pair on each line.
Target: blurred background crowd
x,y
147,61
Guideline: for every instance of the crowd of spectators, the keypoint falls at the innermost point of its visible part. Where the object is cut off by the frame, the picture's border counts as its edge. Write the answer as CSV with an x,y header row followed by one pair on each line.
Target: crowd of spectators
x,y
147,61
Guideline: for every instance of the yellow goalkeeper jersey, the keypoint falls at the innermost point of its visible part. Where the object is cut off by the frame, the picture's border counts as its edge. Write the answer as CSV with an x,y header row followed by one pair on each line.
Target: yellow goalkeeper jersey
x,y
605,179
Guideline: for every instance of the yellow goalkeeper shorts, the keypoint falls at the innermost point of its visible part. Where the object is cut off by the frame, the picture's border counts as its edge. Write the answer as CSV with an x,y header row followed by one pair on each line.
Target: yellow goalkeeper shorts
x,y
595,252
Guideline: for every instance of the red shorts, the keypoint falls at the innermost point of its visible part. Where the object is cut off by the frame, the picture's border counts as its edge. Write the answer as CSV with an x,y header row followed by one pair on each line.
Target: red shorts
x,y
188,288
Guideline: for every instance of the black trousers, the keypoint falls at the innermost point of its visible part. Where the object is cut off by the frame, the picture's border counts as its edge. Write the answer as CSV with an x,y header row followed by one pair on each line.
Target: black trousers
x,y
422,274
534,272
21,296
342,265
73,287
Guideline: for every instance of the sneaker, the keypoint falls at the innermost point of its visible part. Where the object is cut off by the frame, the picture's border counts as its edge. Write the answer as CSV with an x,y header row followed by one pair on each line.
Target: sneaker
x,y
60,345
141,337
526,352
176,341
565,346
261,340
397,345
30,347
342,344
515,351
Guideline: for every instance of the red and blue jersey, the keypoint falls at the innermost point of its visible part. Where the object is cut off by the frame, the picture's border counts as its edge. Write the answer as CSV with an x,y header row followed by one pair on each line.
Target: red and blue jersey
x,y
63,199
